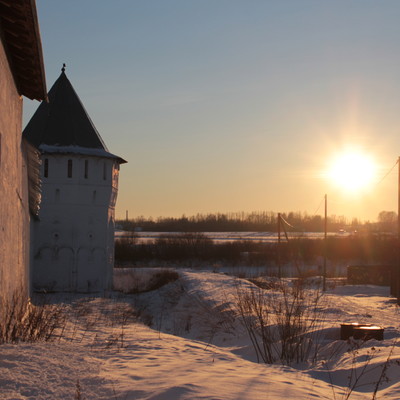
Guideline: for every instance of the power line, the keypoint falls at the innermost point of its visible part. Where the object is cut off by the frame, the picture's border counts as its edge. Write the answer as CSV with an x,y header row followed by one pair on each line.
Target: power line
x,y
319,206
387,173
287,223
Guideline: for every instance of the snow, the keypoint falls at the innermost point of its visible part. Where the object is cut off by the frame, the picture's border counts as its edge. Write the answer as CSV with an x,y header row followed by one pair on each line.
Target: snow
x,y
193,347
45,148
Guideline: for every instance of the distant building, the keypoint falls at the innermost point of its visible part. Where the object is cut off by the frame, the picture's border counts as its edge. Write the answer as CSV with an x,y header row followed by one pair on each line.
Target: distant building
x,y
73,244
21,74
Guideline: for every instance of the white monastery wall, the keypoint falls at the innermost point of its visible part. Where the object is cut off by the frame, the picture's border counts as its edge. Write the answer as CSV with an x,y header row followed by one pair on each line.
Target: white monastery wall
x,y
14,208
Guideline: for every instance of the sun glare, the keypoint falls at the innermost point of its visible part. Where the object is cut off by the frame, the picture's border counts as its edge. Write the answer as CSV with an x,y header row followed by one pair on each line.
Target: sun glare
x,y
352,171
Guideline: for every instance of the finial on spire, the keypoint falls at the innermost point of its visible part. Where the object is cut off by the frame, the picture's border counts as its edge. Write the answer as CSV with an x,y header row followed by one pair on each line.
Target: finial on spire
x,y
63,68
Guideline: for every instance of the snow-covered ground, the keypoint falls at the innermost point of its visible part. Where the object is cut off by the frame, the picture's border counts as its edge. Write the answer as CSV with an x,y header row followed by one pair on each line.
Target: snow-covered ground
x,y
193,347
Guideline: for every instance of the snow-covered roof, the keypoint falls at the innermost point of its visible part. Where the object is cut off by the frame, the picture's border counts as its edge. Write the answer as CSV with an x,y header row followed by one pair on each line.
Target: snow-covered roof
x,y
48,149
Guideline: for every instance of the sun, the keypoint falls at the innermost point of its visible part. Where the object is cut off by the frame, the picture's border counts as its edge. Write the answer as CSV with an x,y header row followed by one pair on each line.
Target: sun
x,y
352,171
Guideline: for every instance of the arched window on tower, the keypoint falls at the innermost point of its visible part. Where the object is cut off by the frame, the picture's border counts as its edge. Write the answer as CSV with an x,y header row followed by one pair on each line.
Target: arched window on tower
x,y
69,168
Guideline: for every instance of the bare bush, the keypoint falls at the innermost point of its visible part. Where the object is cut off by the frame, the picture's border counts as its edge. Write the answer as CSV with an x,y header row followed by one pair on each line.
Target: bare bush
x,y
283,324
359,248
134,281
183,246
161,279
22,321
125,249
364,370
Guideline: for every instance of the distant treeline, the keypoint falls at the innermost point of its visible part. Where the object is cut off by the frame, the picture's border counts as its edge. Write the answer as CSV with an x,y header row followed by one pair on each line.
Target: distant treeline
x,y
361,248
265,221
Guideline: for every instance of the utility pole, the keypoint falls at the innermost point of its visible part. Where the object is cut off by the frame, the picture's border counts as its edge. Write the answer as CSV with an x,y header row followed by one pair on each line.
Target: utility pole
x,y
126,215
325,243
398,236
279,246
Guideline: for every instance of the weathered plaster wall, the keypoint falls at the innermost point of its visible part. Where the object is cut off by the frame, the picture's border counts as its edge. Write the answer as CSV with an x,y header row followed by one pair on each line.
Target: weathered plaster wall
x,y
14,209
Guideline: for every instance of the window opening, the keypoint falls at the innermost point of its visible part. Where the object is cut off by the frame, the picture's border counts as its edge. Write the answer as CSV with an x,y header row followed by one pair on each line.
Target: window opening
x,y
86,175
69,168
104,171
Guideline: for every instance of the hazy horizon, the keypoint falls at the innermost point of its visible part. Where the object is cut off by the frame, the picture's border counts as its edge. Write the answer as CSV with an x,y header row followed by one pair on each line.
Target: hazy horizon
x,y
247,213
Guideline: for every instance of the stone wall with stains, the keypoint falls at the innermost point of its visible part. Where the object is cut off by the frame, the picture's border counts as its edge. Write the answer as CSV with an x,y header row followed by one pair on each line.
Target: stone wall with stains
x,y
14,208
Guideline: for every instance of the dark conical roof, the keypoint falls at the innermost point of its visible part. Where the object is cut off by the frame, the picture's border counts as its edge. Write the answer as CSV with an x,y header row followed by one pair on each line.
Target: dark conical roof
x,y
63,123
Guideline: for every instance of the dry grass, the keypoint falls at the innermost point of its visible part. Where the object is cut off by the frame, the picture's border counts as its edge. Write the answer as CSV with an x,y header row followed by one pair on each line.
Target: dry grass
x,y
22,321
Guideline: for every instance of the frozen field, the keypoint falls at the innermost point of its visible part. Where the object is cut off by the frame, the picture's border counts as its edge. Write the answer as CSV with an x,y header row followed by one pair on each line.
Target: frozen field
x,y
219,237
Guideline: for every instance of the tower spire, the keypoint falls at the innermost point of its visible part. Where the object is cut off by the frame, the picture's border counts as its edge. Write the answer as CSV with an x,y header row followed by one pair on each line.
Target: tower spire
x,y
63,68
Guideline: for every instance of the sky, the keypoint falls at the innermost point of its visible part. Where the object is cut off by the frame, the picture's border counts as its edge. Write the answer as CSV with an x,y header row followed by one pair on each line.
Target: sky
x,y
228,105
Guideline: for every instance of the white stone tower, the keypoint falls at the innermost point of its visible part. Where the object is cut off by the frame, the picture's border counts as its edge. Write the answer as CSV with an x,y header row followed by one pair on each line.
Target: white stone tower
x,y
73,239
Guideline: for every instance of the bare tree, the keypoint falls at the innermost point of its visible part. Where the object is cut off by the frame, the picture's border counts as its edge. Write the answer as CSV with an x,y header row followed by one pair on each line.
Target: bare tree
x,y
387,221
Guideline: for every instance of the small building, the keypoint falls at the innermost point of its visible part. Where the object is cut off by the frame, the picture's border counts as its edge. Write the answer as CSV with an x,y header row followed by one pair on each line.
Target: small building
x,y
21,74
73,247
